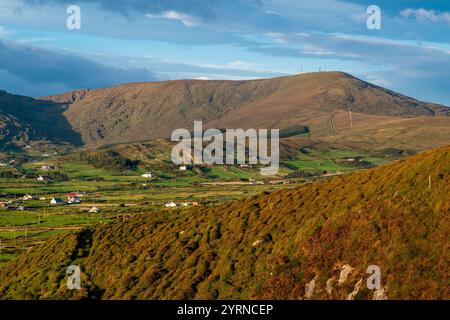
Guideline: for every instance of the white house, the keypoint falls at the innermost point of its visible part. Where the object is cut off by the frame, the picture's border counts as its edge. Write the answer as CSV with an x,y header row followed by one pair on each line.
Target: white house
x,y
43,178
73,200
57,201
94,210
28,197
147,175
171,205
183,168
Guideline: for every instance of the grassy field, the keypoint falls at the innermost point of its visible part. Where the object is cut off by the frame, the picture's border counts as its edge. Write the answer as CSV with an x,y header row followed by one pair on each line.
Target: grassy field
x,y
119,194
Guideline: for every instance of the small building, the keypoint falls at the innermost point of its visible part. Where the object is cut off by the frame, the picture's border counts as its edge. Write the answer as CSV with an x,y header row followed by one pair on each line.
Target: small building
x,y
46,168
57,201
27,197
147,175
73,200
171,205
43,178
94,210
183,168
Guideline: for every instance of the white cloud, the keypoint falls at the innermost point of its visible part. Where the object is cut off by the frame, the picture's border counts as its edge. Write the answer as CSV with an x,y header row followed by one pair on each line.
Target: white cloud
x,y
186,19
202,78
34,40
426,15
243,65
4,9
4,32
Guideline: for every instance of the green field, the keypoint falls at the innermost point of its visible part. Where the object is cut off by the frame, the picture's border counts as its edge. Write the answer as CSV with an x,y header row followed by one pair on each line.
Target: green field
x,y
119,194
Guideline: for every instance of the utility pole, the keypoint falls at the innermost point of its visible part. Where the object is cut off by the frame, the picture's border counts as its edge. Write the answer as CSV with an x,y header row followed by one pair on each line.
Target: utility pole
x,y
351,117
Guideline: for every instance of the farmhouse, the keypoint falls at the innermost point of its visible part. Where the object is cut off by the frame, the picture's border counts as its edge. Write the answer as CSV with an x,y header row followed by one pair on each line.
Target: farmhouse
x,y
73,200
171,205
57,201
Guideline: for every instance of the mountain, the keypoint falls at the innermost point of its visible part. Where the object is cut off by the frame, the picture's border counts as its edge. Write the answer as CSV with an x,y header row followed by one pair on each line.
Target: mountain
x,y
331,106
27,121
314,241
320,101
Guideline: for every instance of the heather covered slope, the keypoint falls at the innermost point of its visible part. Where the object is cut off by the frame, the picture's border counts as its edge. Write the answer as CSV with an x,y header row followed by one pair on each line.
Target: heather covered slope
x,y
269,246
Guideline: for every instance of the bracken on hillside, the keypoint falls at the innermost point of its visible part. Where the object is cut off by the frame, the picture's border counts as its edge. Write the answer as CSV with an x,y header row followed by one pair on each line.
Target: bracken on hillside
x,y
311,242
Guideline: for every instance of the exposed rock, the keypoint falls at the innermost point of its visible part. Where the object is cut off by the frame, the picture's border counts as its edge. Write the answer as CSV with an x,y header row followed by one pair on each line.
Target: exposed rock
x,y
257,242
346,270
380,294
329,285
355,291
310,288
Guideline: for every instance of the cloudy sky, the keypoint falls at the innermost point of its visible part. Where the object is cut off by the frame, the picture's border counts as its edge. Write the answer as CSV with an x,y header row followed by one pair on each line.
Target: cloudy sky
x,y
147,40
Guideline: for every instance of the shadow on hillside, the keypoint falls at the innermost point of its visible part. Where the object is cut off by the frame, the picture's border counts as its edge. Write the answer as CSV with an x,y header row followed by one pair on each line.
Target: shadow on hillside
x,y
42,118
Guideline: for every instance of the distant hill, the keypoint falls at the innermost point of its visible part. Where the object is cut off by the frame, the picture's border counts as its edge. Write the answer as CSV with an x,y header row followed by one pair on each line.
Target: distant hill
x,y
331,106
144,111
27,121
314,241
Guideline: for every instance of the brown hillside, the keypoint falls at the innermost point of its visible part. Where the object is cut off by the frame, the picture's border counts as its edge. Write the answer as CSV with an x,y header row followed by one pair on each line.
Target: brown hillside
x,y
24,120
144,111
269,246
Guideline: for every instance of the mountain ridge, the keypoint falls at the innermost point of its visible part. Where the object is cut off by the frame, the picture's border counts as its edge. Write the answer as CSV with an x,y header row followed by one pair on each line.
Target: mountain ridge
x,y
152,110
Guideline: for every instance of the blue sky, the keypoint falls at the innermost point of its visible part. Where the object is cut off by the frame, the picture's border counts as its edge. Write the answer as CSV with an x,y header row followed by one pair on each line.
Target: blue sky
x,y
151,40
